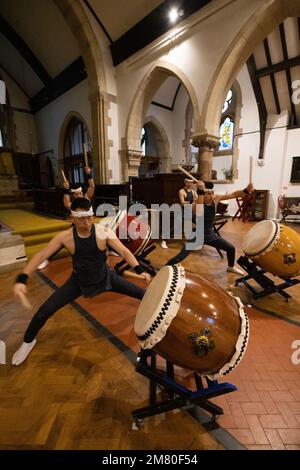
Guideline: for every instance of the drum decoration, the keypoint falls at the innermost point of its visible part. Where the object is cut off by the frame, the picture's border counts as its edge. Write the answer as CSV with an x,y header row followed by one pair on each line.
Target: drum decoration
x,y
274,247
192,322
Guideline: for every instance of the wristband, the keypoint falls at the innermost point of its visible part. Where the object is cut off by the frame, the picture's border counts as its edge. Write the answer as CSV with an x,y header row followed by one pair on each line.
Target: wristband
x,y
66,191
138,269
22,278
89,177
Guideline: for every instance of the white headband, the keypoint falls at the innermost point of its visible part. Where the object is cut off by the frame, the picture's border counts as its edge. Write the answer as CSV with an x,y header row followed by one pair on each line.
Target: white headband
x,y
82,213
78,190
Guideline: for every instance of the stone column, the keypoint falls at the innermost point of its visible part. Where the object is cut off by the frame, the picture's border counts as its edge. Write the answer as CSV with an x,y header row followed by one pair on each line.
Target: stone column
x,y
134,161
99,108
207,145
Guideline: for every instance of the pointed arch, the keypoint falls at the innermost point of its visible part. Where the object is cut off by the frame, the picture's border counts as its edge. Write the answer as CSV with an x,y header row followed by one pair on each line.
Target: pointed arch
x,y
259,26
152,81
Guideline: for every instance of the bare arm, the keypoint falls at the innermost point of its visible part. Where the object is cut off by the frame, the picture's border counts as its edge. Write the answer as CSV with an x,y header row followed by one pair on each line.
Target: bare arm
x,y
181,196
235,194
91,188
54,245
20,289
66,198
114,243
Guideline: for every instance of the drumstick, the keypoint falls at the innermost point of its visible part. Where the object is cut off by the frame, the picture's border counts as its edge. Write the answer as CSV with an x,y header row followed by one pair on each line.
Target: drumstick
x,y
25,302
63,175
131,274
85,155
187,173
251,164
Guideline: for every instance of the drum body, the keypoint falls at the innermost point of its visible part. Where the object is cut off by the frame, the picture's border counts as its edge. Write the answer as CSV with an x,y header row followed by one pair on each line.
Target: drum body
x,y
274,247
132,232
192,322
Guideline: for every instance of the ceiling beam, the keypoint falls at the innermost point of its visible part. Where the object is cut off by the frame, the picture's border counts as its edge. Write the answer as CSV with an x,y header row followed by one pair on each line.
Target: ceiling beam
x,y
63,82
274,88
155,24
98,21
293,120
25,51
262,110
279,67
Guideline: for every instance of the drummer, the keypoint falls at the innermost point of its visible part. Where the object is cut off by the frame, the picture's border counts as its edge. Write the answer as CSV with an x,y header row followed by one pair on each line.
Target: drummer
x,y
187,195
210,200
91,276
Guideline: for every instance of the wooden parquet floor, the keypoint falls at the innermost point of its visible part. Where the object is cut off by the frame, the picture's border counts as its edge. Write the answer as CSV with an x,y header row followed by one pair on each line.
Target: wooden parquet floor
x,y
77,390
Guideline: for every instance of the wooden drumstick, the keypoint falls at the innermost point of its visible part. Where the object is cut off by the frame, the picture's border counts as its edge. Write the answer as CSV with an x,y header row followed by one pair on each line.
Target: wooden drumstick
x,y
132,275
187,173
25,302
85,155
251,165
63,175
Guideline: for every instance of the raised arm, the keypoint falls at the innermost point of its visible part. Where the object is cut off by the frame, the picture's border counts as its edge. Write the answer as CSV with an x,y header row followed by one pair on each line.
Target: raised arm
x,y
91,188
20,289
66,197
235,194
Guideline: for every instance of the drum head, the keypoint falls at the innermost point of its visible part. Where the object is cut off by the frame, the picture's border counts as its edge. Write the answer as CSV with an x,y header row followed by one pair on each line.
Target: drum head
x,y
159,305
260,237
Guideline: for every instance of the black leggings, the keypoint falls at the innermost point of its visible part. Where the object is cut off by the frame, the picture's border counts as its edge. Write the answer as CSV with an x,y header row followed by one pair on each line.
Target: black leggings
x,y
218,243
71,291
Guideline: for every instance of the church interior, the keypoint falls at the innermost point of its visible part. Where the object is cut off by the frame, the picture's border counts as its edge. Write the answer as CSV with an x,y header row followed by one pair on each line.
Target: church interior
x,y
139,101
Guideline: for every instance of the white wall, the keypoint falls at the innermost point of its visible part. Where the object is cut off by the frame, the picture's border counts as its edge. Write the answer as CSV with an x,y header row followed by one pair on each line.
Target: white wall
x,y
281,145
197,56
49,120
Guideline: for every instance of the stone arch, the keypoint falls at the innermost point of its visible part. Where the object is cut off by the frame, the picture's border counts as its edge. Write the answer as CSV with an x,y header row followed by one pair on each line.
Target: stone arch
x,y
258,26
162,141
152,81
61,139
78,21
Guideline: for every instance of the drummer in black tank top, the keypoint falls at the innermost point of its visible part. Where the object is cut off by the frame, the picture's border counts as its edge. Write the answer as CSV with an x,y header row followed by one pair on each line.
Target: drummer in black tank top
x,y
210,201
90,276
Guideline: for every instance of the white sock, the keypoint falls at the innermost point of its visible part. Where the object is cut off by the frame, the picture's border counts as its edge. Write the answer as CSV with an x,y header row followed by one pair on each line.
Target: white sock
x,y
23,351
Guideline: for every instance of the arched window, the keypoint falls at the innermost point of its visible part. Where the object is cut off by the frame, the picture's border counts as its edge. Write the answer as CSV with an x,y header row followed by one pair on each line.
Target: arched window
x,y
225,166
76,135
227,123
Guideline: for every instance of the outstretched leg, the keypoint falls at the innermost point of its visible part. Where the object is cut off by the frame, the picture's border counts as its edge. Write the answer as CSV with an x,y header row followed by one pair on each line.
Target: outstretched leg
x,y
122,286
62,296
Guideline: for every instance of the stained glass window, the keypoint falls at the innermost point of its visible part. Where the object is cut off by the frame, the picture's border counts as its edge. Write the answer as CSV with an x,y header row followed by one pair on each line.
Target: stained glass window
x,y
226,134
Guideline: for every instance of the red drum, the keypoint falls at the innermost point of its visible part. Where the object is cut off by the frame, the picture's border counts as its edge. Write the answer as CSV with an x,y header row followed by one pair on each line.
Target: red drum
x,y
137,233
192,322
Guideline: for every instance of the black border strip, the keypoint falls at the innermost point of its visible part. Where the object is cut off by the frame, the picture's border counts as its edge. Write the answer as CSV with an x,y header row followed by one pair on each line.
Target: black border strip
x,y
220,434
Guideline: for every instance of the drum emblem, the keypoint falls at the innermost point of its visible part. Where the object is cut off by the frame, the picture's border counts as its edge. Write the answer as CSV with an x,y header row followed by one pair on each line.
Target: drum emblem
x,y
289,258
202,342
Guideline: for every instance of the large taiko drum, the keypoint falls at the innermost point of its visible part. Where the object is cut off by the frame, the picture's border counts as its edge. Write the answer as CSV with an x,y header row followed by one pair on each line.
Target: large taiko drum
x,y
274,247
192,322
133,232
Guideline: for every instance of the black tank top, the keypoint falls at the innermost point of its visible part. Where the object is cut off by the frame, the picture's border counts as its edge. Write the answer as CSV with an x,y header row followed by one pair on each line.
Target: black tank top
x,y
189,196
209,217
89,265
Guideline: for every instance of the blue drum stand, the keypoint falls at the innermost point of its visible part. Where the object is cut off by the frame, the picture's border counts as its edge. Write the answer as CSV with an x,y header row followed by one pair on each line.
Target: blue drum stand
x,y
178,396
259,276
